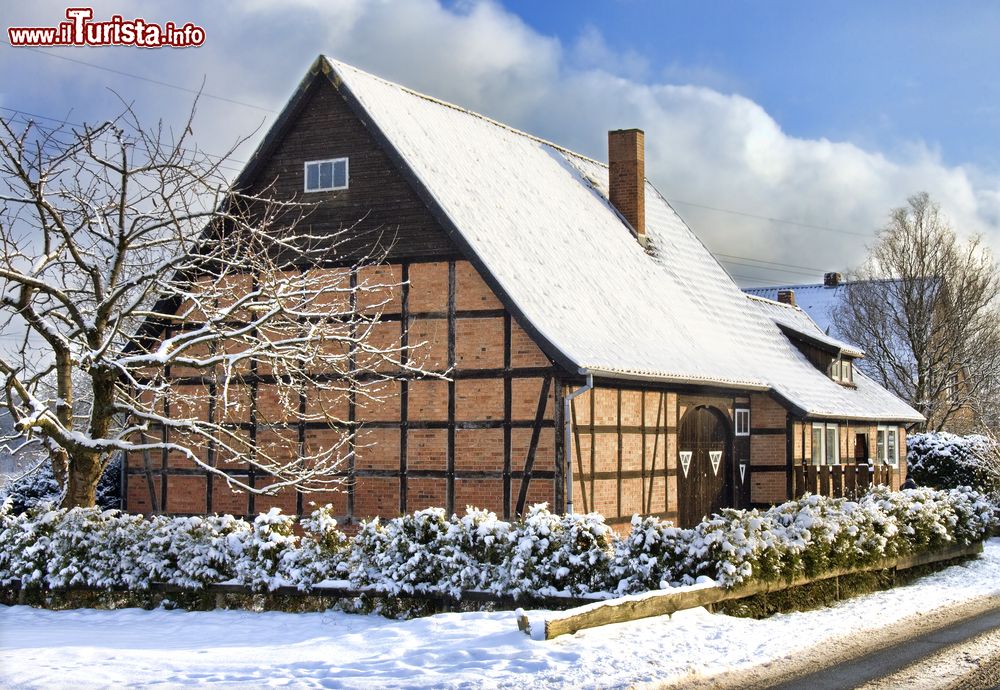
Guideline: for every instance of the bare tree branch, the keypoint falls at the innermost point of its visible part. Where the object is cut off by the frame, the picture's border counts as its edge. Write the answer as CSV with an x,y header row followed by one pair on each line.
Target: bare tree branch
x,y
156,298
924,307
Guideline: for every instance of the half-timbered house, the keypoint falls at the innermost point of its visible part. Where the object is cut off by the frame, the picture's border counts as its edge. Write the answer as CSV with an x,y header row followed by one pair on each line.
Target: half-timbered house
x,y
599,357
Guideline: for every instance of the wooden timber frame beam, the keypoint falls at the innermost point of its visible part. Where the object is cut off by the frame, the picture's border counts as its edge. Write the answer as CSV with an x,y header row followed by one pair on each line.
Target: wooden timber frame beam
x,y
536,431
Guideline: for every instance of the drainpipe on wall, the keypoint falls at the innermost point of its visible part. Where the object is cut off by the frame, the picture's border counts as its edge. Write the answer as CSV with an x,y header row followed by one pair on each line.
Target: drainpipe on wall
x,y
568,438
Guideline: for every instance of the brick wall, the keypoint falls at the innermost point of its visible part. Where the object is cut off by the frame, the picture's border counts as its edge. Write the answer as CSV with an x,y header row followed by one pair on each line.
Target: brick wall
x,y
624,453
475,457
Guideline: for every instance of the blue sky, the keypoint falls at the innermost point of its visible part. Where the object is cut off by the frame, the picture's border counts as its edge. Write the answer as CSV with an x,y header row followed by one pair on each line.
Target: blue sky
x,y
782,132
885,73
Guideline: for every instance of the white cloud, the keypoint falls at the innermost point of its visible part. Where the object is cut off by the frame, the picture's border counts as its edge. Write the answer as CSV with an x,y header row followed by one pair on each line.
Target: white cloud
x,y
703,145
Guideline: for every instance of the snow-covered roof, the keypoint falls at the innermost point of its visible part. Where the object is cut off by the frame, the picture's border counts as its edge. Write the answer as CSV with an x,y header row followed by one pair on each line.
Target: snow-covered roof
x,y
817,300
790,317
537,218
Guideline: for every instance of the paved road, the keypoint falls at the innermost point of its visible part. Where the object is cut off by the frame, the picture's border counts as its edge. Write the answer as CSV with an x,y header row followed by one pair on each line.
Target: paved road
x,y
964,654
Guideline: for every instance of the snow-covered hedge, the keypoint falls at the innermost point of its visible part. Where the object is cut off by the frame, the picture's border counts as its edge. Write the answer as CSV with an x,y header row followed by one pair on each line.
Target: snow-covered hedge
x,y
799,538
947,461
430,552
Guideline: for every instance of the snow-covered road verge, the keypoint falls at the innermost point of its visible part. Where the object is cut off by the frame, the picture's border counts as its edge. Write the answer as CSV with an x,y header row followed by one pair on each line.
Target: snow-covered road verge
x,y
235,649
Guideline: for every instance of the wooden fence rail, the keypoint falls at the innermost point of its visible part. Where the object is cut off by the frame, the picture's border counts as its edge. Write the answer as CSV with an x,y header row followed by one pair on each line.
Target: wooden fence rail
x,y
661,602
839,481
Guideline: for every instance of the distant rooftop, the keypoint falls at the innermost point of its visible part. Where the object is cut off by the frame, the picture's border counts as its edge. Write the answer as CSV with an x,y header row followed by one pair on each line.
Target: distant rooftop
x,y
816,299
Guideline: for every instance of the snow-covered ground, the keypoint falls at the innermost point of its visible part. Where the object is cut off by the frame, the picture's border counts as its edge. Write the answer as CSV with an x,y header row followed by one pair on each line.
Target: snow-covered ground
x,y
235,649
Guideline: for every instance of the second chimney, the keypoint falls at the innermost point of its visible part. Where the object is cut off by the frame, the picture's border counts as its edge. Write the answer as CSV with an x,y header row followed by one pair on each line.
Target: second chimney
x,y
627,177
786,297
831,279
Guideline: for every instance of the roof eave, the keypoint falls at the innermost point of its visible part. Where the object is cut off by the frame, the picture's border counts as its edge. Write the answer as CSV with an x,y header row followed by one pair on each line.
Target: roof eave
x,y
818,342
599,372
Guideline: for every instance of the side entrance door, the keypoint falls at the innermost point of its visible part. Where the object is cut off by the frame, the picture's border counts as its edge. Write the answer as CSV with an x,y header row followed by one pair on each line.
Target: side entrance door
x,y
704,465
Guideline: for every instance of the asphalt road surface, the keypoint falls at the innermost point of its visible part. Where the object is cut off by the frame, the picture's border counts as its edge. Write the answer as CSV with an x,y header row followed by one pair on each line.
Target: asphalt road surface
x,y
956,648
965,654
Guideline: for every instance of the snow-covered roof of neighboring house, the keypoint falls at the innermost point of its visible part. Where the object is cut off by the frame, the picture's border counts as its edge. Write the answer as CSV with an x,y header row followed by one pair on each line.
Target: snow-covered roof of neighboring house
x,y
817,300
536,218
791,317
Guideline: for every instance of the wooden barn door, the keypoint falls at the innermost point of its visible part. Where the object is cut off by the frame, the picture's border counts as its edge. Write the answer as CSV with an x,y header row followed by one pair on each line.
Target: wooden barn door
x,y
704,465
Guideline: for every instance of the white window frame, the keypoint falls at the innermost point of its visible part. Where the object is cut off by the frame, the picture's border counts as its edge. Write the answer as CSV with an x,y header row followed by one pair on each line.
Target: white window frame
x,y
742,421
824,428
884,433
842,370
333,162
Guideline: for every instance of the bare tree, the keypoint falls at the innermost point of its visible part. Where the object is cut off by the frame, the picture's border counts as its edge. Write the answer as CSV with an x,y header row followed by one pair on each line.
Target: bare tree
x,y
151,296
924,308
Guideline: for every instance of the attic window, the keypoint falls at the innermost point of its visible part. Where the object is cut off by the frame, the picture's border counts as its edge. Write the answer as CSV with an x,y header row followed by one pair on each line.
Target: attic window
x,y
323,176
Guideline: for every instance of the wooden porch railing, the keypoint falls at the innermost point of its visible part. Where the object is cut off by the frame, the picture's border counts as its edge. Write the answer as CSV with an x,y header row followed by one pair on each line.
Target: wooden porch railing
x,y
838,481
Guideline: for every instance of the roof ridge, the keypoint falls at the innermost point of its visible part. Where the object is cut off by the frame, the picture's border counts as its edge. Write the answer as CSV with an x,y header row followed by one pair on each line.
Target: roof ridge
x,y
337,64
772,301
798,286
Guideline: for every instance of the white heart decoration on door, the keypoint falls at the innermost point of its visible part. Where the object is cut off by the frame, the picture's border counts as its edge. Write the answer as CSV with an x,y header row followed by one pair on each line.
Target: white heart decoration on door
x,y
743,471
716,456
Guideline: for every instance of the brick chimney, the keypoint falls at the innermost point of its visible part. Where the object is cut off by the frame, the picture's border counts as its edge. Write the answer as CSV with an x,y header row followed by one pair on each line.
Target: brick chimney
x,y
627,177
786,297
831,279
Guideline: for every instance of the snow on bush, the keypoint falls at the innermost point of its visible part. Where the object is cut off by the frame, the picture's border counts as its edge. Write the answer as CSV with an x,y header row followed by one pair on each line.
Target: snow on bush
x,y
321,550
408,554
430,552
267,553
799,538
191,552
946,461
647,557
552,553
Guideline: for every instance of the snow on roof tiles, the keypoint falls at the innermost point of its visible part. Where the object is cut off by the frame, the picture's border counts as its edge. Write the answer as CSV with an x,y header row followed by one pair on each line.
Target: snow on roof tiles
x,y
818,301
538,219
795,318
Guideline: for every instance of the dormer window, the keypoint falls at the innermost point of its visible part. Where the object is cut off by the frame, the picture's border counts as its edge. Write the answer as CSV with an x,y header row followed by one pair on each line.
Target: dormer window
x,y
842,370
325,176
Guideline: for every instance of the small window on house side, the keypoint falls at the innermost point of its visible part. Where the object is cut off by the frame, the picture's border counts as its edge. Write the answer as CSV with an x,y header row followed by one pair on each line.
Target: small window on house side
x,y
324,176
742,421
848,372
835,370
888,451
832,444
825,444
818,441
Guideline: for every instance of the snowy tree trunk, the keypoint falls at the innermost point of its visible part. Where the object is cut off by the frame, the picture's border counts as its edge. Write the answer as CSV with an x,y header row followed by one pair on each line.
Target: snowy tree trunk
x,y
126,257
81,487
